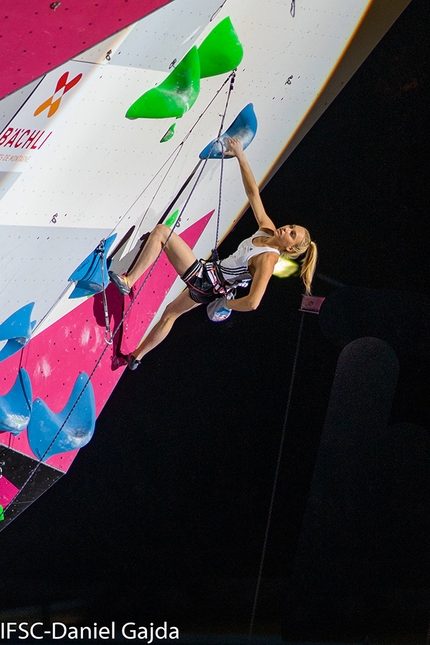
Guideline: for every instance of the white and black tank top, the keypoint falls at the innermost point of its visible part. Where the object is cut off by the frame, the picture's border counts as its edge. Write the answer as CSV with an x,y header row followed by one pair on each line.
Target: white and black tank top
x,y
235,267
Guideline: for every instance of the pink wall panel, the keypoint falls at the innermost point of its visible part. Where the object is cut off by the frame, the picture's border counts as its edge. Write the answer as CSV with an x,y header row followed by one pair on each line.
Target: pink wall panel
x,y
7,491
37,36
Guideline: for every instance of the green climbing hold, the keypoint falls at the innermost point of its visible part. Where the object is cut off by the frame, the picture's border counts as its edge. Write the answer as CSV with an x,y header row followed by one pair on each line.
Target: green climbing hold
x,y
174,96
172,219
221,51
169,134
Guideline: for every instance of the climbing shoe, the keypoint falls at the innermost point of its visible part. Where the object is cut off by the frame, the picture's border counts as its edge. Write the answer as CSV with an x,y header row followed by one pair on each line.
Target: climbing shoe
x,y
120,283
132,363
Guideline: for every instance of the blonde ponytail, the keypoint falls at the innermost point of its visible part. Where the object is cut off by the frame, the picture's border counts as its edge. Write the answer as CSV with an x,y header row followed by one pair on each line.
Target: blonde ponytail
x,y
309,262
308,267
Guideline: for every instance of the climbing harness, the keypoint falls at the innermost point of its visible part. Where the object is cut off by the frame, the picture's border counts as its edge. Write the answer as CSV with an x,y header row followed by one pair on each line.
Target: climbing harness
x,y
216,277
220,285
205,278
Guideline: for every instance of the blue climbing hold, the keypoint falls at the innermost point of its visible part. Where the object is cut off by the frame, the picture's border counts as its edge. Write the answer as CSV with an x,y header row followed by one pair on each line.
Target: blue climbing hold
x,y
91,275
243,128
15,406
17,331
50,434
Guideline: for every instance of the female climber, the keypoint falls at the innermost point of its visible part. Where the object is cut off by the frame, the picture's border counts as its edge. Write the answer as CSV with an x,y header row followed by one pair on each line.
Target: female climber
x,y
253,262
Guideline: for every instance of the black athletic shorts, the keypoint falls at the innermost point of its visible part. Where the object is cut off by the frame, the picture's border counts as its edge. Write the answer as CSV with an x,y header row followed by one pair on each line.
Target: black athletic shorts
x,y
199,284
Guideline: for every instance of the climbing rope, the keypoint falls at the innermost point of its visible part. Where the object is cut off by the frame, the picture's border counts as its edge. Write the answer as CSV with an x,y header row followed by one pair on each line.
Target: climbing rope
x,y
230,89
215,254
126,312
275,480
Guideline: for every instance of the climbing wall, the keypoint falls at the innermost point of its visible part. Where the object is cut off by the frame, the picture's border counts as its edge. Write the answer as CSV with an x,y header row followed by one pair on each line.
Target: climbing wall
x,y
101,148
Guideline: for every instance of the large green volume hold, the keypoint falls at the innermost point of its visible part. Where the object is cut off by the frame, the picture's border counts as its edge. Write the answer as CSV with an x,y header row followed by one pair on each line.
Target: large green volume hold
x,y
221,51
174,96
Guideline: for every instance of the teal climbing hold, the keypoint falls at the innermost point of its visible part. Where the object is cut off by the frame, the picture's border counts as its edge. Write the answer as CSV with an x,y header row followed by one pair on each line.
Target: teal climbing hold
x,y
221,51
16,330
91,275
243,128
50,434
174,96
16,405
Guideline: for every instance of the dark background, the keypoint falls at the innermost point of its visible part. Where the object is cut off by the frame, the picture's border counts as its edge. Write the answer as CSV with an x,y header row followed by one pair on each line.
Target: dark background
x,y
163,515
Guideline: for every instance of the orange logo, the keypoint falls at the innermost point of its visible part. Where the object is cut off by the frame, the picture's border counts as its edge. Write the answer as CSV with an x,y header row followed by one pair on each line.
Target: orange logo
x,y
53,103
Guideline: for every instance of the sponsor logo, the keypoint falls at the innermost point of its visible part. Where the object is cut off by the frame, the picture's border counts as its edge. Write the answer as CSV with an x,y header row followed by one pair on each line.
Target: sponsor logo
x,y
53,103
29,138
24,138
